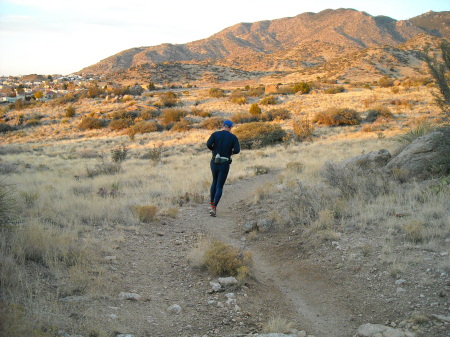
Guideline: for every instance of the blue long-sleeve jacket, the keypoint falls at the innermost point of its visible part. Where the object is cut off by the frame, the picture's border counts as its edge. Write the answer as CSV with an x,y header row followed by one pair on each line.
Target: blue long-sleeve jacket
x,y
223,143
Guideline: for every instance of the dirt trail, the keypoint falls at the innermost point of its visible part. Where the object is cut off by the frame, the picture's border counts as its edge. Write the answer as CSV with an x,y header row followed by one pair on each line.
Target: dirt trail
x,y
312,300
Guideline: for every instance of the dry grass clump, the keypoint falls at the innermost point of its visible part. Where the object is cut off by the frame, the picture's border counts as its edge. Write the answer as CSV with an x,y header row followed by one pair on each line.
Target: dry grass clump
x,y
238,97
212,123
146,213
378,112
257,134
120,124
8,204
200,112
168,99
277,325
216,93
224,260
276,114
303,128
268,100
172,116
334,90
244,117
338,116
90,123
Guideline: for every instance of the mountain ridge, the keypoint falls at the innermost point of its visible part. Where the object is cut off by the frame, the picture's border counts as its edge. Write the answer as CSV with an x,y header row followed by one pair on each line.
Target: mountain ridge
x,y
284,44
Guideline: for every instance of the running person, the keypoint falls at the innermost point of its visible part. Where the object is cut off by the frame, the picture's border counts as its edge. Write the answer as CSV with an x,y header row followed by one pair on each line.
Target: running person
x,y
222,144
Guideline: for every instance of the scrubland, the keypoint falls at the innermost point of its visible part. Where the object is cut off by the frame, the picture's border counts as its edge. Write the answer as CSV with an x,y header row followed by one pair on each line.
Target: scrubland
x,y
63,187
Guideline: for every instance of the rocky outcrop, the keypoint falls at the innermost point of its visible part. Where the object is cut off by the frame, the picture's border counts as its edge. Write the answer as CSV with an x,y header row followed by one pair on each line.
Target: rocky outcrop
x,y
426,157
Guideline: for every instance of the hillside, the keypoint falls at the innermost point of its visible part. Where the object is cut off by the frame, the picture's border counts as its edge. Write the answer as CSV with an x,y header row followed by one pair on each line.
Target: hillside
x,y
285,44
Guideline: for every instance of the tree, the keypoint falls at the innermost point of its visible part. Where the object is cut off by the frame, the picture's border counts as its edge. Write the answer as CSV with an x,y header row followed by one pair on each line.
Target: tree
x,y
439,71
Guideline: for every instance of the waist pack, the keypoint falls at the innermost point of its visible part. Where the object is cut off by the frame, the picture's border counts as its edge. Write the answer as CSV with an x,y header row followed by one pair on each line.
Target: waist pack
x,y
220,160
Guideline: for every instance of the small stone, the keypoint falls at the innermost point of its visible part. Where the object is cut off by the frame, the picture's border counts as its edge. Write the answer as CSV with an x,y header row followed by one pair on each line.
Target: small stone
x,y
129,296
264,225
400,290
215,286
249,226
400,282
110,258
174,309
227,281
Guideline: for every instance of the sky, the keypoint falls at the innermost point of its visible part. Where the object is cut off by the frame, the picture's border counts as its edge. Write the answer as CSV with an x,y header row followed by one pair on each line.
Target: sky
x,y
63,36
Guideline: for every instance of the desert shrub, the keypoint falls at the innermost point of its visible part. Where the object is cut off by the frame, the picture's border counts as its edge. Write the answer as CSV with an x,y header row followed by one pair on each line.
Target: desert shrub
x,y
255,110
238,97
334,90
276,114
149,114
385,82
122,114
277,325
338,116
33,122
120,124
420,129
200,112
303,128
268,100
383,112
255,92
216,92
244,117
70,111
146,214
302,87
89,123
295,166
154,154
7,202
119,154
172,116
212,123
256,134
182,125
224,260
354,181
168,99
145,127
103,168
4,127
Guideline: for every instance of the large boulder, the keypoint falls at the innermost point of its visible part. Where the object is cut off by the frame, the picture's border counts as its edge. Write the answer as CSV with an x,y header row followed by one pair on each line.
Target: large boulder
x,y
426,157
369,160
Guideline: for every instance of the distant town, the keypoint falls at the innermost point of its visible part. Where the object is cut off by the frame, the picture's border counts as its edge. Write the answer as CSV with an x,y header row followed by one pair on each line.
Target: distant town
x,y
42,88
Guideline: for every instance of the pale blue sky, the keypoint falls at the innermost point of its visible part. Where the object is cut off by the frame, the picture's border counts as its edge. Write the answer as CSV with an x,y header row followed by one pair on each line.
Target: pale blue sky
x,y
64,36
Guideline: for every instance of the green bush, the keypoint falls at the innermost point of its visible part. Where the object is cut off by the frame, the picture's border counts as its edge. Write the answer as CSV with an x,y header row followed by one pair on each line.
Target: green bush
x,y
172,116
255,110
268,100
122,114
334,90
338,116
89,123
258,134
149,114
212,123
120,124
119,154
216,92
276,114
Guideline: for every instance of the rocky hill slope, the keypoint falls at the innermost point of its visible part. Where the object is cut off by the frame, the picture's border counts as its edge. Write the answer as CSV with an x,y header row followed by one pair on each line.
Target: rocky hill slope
x,y
285,44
